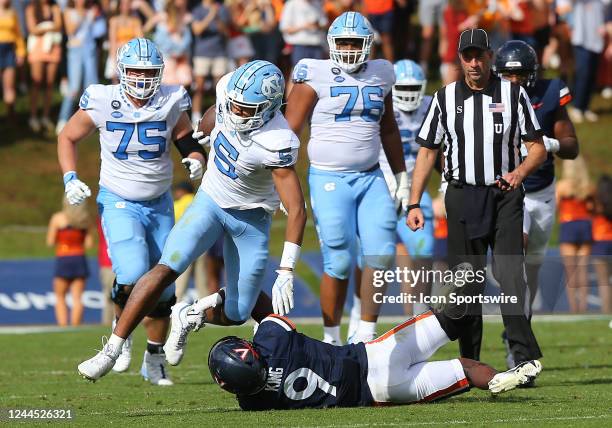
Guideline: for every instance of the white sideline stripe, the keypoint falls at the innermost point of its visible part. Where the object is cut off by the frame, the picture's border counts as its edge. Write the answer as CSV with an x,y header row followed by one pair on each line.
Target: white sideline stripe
x,y
462,422
30,329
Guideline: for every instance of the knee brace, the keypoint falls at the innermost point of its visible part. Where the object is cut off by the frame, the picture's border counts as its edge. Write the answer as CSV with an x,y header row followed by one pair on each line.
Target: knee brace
x,y
163,309
120,293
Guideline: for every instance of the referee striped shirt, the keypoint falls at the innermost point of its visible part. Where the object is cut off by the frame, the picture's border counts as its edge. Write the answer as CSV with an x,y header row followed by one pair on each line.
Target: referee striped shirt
x,y
483,129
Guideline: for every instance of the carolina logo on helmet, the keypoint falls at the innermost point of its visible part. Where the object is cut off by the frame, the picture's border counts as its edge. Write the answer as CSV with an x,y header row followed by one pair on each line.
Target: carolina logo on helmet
x,y
271,87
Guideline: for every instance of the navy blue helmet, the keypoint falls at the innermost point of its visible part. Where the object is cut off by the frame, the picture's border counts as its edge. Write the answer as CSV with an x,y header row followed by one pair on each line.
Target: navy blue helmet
x,y
236,366
517,57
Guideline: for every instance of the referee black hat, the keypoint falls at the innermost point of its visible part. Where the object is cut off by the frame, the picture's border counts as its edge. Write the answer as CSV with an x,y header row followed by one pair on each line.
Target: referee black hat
x,y
475,38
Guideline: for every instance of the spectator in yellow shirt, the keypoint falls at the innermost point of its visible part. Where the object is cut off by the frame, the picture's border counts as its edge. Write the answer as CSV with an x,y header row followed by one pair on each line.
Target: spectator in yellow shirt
x,y
12,53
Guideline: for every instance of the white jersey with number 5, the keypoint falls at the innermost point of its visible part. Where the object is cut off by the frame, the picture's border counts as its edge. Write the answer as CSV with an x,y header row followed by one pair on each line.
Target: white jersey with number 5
x,y
135,142
345,123
408,124
239,170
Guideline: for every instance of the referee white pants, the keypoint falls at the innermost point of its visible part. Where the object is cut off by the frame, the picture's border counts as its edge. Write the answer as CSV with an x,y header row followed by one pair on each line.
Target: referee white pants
x,y
397,371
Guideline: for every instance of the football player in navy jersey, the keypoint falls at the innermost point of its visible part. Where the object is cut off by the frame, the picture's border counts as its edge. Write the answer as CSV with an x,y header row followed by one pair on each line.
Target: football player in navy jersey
x,y
517,61
284,369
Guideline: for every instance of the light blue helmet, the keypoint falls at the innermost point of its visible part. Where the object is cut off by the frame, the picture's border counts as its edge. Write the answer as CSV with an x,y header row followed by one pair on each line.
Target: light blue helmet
x,y
258,87
140,54
350,25
409,86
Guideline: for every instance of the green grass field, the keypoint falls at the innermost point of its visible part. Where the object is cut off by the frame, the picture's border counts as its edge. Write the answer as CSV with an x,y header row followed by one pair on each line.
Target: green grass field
x,y
39,371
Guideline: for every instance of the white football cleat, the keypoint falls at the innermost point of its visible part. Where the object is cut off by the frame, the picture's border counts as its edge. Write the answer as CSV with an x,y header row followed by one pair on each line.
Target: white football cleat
x,y
102,363
523,373
154,369
125,357
184,319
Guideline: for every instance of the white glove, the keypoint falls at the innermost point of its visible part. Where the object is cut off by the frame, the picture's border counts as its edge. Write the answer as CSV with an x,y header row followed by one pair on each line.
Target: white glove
x,y
552,144
203,140
76,191
402,194
194,167
282,292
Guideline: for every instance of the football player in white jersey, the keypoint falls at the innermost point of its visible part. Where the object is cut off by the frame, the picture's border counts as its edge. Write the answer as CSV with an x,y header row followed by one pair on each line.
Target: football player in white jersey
x,y
410,107
349,100
137,119
253,151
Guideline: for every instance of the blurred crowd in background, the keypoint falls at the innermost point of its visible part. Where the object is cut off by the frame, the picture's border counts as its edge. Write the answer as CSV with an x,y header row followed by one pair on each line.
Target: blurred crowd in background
x,y
73,43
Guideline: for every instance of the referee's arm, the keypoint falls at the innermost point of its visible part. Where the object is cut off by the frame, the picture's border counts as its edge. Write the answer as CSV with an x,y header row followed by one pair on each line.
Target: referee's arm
x,y
430,137
531,134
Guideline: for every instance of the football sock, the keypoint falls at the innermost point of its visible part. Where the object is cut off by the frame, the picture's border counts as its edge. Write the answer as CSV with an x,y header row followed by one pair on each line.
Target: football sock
x,y
155,347
331,334
116,343
207,302
366,328
355,316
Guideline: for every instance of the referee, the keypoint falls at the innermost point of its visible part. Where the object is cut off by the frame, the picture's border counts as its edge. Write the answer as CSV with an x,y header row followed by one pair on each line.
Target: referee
x,y
483,120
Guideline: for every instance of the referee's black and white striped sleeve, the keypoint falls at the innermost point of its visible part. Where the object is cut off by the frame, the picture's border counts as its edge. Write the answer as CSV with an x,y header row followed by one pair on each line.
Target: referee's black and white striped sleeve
x,y
528,122
431,133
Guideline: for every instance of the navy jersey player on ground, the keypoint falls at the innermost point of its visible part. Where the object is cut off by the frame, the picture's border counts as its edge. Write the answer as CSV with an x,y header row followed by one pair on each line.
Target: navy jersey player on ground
x,y
348,100
137,119
284,369
251,164
518,62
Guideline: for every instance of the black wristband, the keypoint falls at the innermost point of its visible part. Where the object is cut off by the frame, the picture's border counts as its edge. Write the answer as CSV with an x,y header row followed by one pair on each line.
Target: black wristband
x,y
411,207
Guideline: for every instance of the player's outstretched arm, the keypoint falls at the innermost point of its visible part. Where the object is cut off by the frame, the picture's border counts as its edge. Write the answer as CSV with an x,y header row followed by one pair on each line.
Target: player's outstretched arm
x,y
78,127
290,192
299,106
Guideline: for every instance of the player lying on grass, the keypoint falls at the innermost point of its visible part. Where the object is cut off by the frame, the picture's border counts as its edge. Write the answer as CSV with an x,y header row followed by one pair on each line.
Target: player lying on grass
x,y
284,369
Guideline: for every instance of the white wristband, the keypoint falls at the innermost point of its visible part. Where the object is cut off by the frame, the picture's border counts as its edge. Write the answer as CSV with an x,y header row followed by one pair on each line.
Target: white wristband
x,y
291,253
552,144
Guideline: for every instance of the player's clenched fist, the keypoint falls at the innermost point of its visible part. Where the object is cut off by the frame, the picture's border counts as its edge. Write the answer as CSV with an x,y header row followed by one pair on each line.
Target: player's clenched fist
x,y
76,190
194,167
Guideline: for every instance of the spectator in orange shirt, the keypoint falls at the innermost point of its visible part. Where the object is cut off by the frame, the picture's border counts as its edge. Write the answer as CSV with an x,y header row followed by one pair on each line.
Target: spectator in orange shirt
x,y
69,233
575,202
602,241
335,8
123,26
380,15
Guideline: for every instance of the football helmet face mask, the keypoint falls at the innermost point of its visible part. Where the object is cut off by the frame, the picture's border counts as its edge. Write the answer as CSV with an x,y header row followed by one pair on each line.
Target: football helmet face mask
x,y
143,56
253,95
518,58
409,87
355,27
236,366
